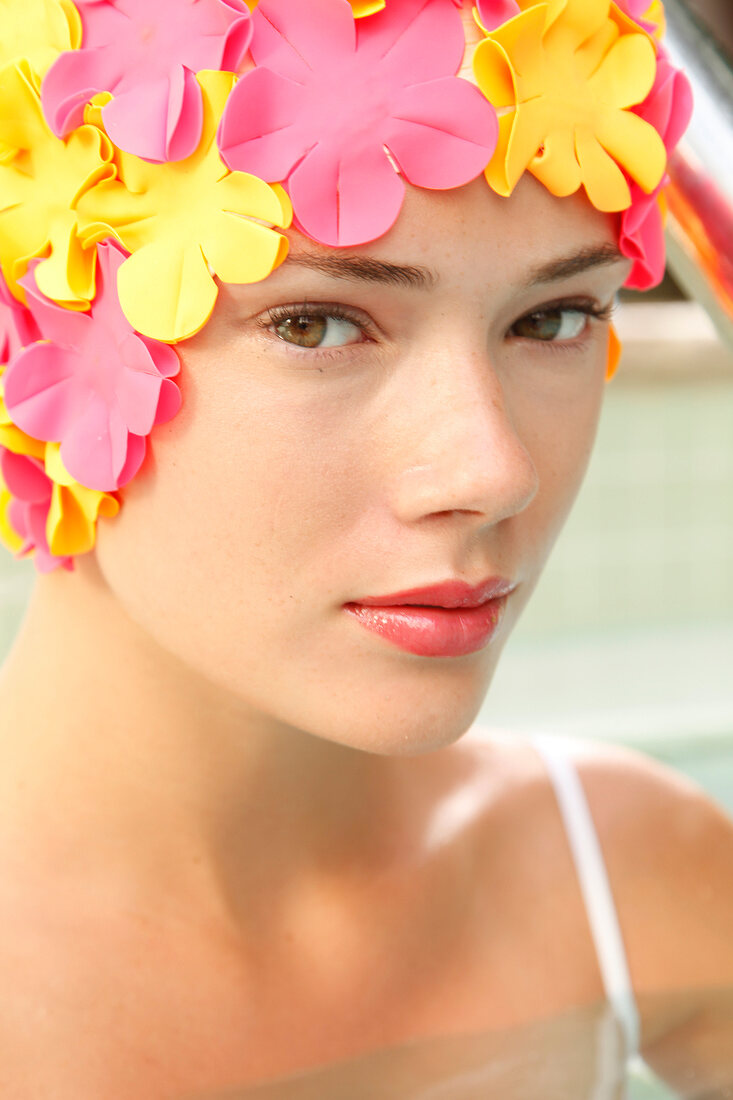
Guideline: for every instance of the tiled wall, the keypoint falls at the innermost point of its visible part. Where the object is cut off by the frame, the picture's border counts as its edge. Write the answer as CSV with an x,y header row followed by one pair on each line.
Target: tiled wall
x,y
650,540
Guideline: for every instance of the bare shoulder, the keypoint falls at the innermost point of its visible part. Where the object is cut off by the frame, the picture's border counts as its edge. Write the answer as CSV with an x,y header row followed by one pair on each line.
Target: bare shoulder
x,y
668,848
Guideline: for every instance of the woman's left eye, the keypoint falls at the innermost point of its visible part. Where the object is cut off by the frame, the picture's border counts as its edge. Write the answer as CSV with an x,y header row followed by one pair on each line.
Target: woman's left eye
x,y
553,325
316,330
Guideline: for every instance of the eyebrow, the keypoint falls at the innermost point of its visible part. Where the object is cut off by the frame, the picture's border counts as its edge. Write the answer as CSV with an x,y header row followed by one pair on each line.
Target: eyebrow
x,y
365,269
370,270
564,268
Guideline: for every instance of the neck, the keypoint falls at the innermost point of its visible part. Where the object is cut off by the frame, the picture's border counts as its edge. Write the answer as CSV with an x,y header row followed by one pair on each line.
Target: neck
x,y
122,768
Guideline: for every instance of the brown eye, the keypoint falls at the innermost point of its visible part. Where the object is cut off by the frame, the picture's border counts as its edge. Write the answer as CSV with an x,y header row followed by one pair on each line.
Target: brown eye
x,y
317,330
306,332
551,324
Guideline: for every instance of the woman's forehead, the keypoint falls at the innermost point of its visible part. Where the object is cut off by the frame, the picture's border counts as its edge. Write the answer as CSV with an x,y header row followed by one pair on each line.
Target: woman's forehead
x,y
469,229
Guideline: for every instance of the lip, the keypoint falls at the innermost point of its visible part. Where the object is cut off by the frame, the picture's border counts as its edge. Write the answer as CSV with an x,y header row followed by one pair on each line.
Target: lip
x,y
462,622
450,593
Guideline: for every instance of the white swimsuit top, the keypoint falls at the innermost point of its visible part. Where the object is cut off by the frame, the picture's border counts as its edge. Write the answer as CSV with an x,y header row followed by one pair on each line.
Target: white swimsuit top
x,y
602,917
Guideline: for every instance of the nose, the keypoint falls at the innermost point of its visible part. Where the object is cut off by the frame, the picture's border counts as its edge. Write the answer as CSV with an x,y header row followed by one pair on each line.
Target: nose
x,y
462,450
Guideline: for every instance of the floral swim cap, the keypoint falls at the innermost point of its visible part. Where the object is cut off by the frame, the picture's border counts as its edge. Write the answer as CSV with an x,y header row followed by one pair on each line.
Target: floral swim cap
x,y
148,147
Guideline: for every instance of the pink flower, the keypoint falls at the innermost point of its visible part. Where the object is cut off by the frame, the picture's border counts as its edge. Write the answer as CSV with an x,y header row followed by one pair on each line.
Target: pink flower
x,y
93,384
493,13
335,103
17,327
146,52
31,489
668,108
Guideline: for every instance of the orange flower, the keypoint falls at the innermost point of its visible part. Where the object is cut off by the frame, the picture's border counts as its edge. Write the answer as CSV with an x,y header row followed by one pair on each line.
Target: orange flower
x,y
562,76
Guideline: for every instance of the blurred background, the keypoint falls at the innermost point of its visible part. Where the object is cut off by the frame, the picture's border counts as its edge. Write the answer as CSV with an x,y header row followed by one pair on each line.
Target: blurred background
x,y
629,636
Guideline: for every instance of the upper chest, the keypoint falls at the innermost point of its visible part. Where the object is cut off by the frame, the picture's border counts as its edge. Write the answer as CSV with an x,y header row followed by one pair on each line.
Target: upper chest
x,y
483,939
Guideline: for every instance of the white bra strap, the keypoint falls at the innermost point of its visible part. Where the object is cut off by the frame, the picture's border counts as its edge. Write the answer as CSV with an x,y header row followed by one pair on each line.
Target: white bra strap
x,y
594,884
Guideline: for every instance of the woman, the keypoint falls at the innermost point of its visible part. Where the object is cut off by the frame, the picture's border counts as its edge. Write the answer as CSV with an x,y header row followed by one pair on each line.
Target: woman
x,y
247,829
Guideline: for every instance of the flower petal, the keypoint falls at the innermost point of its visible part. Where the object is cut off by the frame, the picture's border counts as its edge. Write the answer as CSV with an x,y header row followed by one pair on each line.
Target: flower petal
x,y
39,390
349,199
166,292
71,82
37,30
494,73
496,169
635,145
259,130
626,74
71,523
418,40
25,478
443,133
528,134
642,240
296,39
94,448
169,402
68,275
164,357
136,449
158,121
241,251
603,180
138,386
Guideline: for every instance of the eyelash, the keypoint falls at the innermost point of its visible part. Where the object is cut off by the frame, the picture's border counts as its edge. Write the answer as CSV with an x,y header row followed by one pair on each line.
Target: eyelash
x,y
312,311
306,310
592,310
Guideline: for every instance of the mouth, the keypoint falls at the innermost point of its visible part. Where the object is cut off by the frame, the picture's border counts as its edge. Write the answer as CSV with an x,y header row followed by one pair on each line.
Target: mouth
x,y
432,630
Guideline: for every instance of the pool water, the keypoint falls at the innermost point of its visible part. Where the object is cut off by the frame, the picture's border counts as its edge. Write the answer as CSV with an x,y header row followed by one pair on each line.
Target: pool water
x,y
566,1058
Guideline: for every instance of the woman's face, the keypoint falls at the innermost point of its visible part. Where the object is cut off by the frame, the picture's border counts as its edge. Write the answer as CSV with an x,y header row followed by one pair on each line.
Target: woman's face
x,y
351,430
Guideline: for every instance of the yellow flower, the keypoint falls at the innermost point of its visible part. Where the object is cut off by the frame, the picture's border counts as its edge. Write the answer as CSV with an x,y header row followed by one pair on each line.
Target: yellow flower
x,y
71,527
565,73
38,30
183,219
41,180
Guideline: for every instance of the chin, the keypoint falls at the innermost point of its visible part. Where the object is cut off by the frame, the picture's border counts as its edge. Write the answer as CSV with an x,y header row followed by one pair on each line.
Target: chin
x,y
417,730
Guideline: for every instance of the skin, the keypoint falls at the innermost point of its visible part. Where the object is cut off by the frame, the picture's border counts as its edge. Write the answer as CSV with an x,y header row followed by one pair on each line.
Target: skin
x,y
221,755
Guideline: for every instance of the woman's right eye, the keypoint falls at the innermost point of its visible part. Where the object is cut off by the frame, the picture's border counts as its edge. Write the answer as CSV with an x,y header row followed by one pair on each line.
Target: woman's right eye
x,y
316,330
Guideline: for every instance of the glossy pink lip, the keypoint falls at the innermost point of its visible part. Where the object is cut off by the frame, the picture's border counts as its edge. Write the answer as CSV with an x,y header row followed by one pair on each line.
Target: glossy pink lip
x,y
450,619
451,593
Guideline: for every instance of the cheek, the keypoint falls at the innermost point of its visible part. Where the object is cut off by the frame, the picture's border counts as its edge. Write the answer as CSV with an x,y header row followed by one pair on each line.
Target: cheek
x,y
237,510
